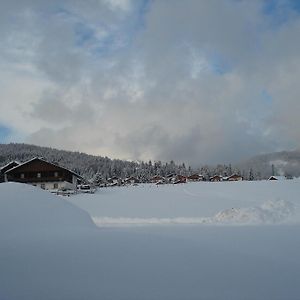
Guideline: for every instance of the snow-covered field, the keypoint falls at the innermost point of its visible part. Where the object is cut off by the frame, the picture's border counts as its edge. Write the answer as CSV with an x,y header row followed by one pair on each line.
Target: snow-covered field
x,y
263,202
195,241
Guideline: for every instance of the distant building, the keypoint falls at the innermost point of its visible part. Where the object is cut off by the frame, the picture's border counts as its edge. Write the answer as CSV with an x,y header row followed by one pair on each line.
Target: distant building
x,y
131,180
235,177
195,177
114,181
170,178
44,174
277,178
216,178
180,179
157,178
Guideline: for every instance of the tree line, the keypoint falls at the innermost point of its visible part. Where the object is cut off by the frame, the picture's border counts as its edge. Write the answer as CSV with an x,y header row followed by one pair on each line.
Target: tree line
x,y
92,167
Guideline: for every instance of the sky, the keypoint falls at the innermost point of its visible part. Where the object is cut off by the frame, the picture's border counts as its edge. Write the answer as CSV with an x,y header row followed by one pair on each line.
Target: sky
x,y
193,81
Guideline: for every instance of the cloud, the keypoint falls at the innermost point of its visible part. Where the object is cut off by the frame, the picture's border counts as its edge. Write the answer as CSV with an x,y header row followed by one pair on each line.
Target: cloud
x,y
192,81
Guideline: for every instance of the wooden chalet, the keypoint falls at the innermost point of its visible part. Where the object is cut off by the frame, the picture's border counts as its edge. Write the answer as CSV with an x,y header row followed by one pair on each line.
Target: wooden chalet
x,y
195,177
157,178
131,180
179,179
170,177
44,174
277,178
114,181
235,177
216,178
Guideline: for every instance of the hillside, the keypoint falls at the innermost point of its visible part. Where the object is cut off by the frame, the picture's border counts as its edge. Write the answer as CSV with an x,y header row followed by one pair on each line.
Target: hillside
x,y
279,163
87,165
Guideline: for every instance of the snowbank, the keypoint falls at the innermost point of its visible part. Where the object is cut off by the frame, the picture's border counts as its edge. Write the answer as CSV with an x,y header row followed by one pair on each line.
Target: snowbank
x,y
27,209
271,212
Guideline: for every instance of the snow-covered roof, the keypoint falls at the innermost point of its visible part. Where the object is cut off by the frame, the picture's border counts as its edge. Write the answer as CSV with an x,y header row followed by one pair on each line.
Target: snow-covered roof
x,y
43,160
195,174
235,175
11,162
277,178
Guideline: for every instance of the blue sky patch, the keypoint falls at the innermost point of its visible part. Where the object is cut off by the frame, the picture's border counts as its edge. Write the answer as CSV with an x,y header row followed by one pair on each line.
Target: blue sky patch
x,y
280,11
5,133
83,34
267,97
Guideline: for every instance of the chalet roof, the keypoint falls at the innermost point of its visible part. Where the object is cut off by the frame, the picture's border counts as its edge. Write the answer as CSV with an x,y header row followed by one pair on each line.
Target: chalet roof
x,y
42,160
171,175
130,178
195,175
277,178
157,176
10,163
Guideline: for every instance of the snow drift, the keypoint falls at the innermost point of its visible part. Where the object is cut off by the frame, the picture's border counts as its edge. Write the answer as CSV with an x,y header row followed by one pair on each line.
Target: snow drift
x,y
27,209
271,212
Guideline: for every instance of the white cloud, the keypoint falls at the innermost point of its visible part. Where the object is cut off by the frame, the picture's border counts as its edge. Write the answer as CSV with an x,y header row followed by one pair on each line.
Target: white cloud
x,y
119,4
182,80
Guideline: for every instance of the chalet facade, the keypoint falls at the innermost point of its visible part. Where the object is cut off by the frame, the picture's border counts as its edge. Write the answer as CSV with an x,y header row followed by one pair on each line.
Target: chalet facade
x,y
235,177
195,177
216,178
43,174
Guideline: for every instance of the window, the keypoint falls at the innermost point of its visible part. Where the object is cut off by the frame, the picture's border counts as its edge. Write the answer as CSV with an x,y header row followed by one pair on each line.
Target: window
x,y
22,175
55,174
43,186
55,186
39,175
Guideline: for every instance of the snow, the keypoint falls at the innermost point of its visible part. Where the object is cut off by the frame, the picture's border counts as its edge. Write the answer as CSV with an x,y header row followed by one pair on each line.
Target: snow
x,y
50,248
238,203
271,212
25,208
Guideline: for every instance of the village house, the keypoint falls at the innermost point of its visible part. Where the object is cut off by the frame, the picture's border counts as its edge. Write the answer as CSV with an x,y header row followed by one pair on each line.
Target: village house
x,y
195,177
179,179
157,178
44,174
277,178
235,177
114,181
216,178
131,180
170,177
